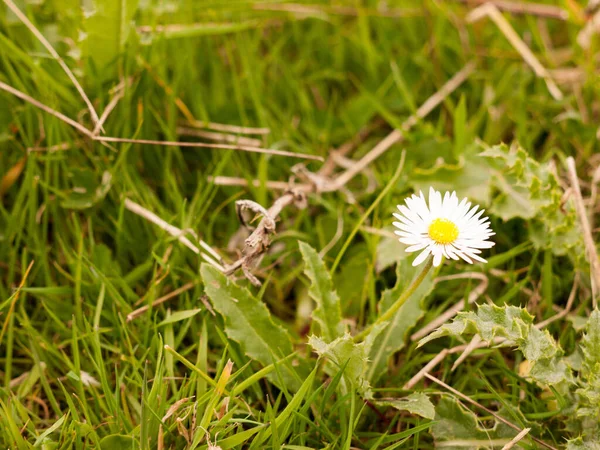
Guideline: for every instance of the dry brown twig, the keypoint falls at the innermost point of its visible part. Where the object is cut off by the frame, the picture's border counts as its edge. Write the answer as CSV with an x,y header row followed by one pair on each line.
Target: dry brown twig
x,y
258,242
92,136
584,38
514,441
524,8
219,137
588,239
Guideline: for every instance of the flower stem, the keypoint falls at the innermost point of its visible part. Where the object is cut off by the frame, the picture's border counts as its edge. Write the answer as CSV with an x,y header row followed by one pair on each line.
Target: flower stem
x,y
386,316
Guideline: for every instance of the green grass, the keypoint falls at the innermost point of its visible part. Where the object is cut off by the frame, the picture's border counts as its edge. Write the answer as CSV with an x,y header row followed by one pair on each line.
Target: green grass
x,y
74,262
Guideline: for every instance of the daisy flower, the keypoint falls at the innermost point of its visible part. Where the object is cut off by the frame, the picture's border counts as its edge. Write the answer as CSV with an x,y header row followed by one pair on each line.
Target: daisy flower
x,y
444,228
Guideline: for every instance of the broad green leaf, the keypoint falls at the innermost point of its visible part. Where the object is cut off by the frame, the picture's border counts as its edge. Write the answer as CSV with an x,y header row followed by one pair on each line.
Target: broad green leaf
x,y
530,190
469,177
328,312
248,322
389,251
516,326
119,442
456,427
351,278
512,185
392,338
106,24
344,353
179,316
416,403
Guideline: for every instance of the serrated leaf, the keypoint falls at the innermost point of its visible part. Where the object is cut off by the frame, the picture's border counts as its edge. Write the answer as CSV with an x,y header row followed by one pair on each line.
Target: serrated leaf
x,y
512,185
344,353
416,403
516,326
588,408
328,312
393,337
590,343
457,428
248,322
580,444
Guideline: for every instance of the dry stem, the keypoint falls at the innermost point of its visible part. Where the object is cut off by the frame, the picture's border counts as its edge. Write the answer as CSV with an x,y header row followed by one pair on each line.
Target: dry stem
x,y
491,11
588,239
23,18
487,410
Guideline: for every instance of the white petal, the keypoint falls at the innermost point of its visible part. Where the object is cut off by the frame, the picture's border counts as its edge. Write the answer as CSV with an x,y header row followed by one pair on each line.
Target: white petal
x,y
422,256
437,256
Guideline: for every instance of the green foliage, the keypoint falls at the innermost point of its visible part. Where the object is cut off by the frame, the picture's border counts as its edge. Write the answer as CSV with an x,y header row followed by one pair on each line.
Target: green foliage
x,y
515,325
248,322
588,392
343,354
513,185
455,427
393,336
415,403
118,442
528,189
327,312
107,25
86,191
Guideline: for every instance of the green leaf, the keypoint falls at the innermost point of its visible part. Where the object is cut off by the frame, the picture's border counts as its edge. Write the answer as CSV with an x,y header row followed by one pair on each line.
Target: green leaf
x,y
43,438
389,250
328,312
393,337
248,322
416,403
179,316
469,177
580,444
86,190
530,190
119,442
344,353
516,326
107,24
457,428
590,343
513,185
588,409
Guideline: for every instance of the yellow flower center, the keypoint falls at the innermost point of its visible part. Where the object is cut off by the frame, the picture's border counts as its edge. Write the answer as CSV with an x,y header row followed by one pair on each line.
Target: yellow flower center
x,y
443,231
